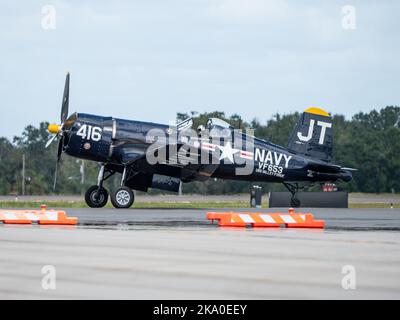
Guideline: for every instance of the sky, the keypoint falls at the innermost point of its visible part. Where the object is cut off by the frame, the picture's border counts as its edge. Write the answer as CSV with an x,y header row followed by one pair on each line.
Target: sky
x,y
148,60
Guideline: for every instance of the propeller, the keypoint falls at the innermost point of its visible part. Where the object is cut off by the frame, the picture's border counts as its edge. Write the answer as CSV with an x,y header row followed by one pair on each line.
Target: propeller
x,y
65,101
59,130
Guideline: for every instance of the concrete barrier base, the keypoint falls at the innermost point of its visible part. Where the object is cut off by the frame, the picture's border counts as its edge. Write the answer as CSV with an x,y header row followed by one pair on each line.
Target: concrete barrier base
x,y
310,199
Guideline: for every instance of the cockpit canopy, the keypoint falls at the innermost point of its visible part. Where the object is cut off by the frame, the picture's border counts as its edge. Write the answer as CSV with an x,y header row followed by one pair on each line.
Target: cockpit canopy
x,y
218,128
216,122
215,127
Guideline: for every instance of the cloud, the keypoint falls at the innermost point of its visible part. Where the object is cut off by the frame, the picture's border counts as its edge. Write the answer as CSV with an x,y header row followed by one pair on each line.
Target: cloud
x,y
148,60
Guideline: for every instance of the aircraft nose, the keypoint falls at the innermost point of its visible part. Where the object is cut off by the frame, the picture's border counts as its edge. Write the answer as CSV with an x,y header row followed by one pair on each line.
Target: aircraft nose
x,y
53,128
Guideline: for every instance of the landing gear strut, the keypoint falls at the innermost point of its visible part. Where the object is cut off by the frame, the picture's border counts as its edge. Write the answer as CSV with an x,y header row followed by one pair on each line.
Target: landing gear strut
x,y
293,189
97,196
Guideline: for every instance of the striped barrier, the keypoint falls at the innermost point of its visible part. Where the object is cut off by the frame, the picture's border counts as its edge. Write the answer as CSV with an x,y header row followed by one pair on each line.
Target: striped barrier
x,y
42,216
274,220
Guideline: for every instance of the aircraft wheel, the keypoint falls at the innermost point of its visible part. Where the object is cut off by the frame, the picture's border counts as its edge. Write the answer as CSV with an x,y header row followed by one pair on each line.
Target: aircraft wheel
x,y
122,198
96,198
295,202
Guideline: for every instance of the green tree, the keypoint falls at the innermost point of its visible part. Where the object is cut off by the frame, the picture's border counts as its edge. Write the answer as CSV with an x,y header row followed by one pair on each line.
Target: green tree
x,y
369,142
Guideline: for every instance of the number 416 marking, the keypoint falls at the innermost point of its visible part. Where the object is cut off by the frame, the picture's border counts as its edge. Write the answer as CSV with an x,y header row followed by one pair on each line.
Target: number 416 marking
x,y
89,132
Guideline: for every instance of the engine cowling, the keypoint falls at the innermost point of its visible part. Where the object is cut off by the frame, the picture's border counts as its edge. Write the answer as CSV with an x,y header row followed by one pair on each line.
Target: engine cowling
x,y
90,138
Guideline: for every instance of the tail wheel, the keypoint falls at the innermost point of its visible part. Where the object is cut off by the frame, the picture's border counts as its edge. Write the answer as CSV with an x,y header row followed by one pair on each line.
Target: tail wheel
x,y
96,197
122,198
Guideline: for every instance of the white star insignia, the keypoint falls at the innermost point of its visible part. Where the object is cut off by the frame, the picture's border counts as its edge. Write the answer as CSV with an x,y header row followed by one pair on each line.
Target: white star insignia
x,y
227,152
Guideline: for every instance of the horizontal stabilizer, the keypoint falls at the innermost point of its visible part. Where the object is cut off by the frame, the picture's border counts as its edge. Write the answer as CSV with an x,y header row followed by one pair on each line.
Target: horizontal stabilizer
x,y
349,169
323,167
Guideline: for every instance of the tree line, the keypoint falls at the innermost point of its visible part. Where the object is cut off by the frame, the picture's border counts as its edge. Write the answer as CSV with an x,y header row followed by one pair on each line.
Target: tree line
x,y
369,141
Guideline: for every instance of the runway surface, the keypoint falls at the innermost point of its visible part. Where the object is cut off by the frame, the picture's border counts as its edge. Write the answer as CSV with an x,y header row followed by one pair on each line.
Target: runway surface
x,y
178,254
341,219
354,198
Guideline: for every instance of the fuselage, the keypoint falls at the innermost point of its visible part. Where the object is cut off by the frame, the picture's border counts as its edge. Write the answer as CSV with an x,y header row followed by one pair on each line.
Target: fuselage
x,y
153,155
119,142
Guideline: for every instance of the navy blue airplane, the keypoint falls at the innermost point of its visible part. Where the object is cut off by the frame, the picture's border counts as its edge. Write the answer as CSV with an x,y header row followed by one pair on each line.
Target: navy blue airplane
x,y
123,146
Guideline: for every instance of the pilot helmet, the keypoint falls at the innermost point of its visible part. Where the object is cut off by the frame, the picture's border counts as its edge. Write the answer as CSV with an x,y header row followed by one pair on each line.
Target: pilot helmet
x,y
200,128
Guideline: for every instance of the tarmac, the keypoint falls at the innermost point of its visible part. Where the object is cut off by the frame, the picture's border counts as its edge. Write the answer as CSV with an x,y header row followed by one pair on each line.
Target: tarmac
x,y
354,198
178,254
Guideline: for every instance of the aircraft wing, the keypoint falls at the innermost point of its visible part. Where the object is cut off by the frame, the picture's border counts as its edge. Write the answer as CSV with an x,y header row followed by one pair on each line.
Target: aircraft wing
x,y
188,161
130,154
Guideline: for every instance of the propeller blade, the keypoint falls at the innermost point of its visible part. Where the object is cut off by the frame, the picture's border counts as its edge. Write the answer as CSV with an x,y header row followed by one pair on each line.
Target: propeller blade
x,y
60,148
50,141
64,116
65,100
59,152
70,121
55,177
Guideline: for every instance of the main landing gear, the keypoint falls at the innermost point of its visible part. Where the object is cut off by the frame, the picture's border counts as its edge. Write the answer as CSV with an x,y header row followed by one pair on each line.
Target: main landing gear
x,y
97,196
293,189
122,197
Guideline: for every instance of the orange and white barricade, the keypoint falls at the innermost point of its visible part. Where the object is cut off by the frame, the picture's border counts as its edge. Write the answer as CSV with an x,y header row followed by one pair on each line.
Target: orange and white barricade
x,y
277,220
42,216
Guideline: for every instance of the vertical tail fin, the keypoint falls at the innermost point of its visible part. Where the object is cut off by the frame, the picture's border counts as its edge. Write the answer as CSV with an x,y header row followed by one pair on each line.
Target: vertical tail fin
x,y
312,135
